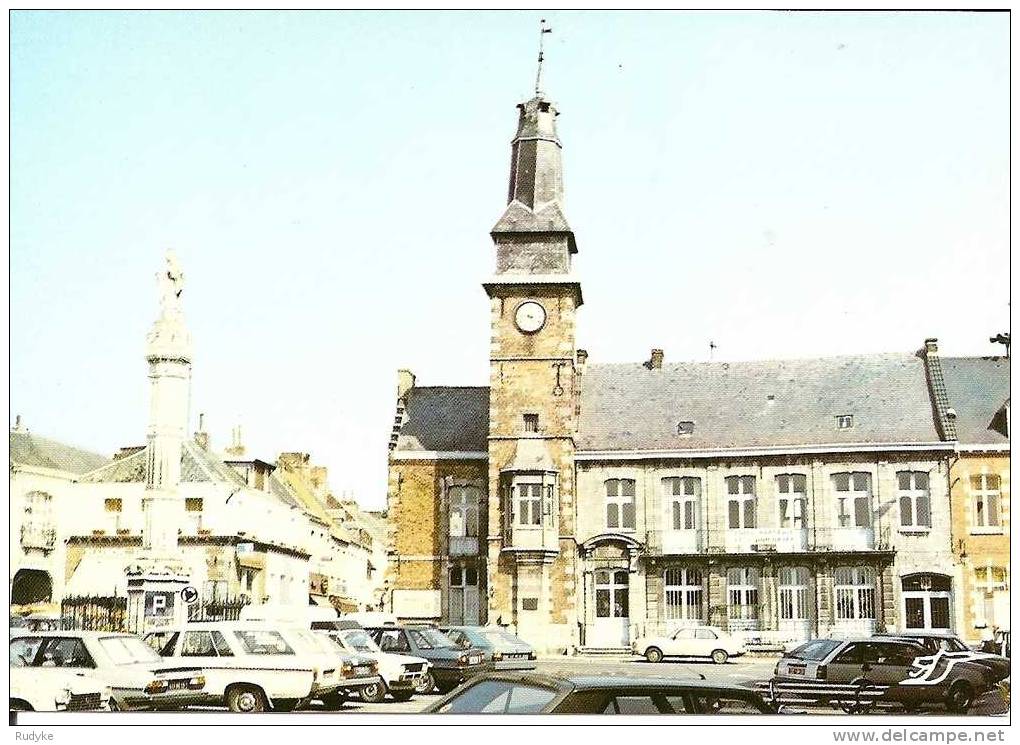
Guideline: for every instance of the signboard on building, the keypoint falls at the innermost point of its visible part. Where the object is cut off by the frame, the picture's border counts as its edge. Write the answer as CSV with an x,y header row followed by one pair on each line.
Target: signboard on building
x,y
417,604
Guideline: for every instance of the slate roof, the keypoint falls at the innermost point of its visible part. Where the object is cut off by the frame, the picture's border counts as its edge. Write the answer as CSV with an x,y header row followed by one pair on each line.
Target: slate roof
x,y
445,418
978,389
197,465
28,449
632,407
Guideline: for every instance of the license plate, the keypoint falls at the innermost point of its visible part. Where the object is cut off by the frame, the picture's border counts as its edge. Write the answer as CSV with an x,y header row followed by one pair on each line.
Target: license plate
x,y
362,670
178,685
797,670
474,660
516,656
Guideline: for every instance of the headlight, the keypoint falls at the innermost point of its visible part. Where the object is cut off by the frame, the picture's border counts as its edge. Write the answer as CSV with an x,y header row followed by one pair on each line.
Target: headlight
x,y
463,659
157,686
197,683
346,669
63,698
496,656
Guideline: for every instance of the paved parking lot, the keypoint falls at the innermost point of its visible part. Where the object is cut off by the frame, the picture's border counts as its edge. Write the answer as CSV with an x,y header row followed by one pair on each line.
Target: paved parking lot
x,y
744,670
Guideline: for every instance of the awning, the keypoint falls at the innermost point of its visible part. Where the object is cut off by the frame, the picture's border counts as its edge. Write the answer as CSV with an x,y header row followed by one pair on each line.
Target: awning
x,y
252,561
319,601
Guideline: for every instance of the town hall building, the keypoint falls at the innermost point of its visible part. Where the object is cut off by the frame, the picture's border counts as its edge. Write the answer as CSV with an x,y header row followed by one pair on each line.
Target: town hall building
x,y
586,504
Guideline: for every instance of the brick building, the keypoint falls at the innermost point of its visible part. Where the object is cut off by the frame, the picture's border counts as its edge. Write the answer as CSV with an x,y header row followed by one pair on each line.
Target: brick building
x,y
585,504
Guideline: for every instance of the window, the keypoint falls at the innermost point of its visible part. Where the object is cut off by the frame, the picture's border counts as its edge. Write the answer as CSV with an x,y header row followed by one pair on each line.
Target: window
x,y
684,594
193,504
393,640
742,593
197,644
914,499
531,422
853,499
844,421
464,511
113,505
500,697
792,489
682,496
611,594
990,581
65,652
793,594
685,428
705,634
855,593
263,642
23,651
620,503
984,490
529,503
743,509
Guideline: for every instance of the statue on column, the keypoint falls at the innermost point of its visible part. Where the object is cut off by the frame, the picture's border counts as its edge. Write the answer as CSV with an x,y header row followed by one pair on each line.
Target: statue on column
x,y
171,285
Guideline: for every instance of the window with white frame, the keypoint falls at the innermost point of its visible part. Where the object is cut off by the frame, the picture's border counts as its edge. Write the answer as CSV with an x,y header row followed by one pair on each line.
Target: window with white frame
x,y
682,496
854,589
985,497
684,594
794,599
988,582
914,499
742,502
529,502
464,501
620,504
742,592
38,507
792,500
853,499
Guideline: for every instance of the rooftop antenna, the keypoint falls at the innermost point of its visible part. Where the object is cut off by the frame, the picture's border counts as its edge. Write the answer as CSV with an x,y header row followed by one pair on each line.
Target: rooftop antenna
x,y
711,350
543,30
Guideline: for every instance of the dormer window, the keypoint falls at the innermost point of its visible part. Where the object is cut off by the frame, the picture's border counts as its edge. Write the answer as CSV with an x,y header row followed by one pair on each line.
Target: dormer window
x,y
531,422
845,421
685,429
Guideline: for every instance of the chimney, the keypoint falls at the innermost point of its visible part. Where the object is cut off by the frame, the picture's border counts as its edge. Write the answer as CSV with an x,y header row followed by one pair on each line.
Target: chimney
x,y
17,423
944,421
582,357
405,382
201,436
236,448
655,363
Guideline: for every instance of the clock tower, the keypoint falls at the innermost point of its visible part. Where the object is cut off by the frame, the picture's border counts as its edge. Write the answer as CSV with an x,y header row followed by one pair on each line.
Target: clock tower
x,y
533,394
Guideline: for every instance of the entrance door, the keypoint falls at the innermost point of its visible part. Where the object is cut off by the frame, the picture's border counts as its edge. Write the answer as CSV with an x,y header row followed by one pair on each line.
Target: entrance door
x,y
926,602
463,596
611,626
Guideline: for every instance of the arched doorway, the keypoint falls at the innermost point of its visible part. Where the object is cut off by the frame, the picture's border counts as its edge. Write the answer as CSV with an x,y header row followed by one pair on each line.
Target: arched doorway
x,y
926,601
31,586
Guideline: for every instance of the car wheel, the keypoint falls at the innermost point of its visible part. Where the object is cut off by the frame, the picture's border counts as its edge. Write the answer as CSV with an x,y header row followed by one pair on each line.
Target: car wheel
x,y
402,695
334,701
720,656
20,706
653,654
285,704
372,694
424,684
246,699
960,697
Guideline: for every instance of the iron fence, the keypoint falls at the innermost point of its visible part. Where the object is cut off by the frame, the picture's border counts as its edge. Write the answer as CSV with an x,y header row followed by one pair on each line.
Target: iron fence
x,y
93,613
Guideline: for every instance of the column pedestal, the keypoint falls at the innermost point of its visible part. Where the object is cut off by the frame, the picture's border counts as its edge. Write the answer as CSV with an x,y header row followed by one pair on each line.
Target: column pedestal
x,y
155,601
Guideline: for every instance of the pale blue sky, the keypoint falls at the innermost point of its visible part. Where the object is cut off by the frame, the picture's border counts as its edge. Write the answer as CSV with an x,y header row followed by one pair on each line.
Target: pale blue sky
x,y
786,185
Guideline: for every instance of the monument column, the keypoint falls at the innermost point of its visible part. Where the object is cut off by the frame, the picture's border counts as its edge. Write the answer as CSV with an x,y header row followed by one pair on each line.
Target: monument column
x,y
159,574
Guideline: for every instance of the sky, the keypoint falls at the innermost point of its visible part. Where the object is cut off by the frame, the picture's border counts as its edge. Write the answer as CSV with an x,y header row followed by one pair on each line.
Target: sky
x,y
781,184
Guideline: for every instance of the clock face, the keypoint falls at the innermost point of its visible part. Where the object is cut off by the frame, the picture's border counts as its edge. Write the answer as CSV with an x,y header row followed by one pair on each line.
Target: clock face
x,y
530,317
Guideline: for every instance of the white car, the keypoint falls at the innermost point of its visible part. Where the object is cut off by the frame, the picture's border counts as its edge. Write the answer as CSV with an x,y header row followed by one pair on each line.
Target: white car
x,y
694,641
254,666
399,672
136,675
52,689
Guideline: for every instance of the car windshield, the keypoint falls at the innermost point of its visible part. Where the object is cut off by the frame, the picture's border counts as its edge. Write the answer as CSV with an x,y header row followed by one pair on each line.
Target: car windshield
x,y
436,638
361,641
128,650
263,642
817,649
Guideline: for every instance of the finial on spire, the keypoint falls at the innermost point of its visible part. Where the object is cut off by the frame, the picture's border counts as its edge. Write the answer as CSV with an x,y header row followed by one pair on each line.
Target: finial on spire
x,y
543,30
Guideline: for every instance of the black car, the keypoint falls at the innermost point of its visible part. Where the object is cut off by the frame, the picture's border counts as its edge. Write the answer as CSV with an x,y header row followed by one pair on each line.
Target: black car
x,y
535,693
450,665
936,641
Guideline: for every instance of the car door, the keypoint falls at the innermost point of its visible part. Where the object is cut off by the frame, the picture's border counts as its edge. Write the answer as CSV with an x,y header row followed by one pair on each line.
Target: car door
x,y
682,644
848,663
705,642
892,662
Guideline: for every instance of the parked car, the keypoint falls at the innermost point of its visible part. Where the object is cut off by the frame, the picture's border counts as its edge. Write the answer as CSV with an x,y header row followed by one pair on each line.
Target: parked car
x,y
252,666
449,665
399,673
690,641
936,641
53,689
136,675
534,693
502,649
856,674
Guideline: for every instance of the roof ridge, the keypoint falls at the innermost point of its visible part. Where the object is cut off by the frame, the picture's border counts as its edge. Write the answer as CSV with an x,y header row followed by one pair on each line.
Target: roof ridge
x,y
774,360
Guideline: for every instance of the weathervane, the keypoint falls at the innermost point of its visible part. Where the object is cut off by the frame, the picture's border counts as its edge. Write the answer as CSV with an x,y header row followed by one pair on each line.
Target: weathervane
x,y
541,39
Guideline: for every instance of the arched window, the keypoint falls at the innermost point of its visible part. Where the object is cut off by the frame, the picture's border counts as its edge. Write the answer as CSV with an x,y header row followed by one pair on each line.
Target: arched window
x,y
684,594
914,499
742,502
620,495
792,500
682,496
794,603
855,593
853,499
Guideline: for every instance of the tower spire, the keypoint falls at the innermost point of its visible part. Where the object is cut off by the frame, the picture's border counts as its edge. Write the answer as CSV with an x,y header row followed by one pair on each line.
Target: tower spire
x,y
543,30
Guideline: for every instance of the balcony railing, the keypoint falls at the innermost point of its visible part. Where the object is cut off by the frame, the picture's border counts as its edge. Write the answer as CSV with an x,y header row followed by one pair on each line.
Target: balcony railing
x,y
463,545
36,535
767,540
